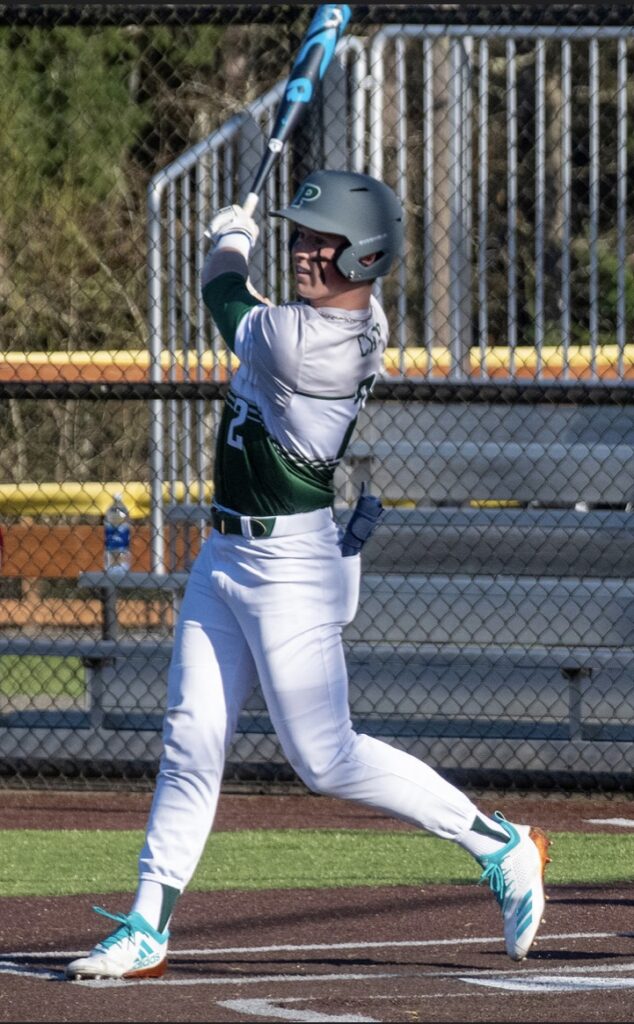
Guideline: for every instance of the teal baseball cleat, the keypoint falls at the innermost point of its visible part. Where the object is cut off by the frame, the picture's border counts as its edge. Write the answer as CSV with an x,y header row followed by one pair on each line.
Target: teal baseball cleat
x,y
134,950
516,877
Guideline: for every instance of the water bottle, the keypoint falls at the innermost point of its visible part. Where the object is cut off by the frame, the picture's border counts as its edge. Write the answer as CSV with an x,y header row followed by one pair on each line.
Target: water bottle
x,y
116,537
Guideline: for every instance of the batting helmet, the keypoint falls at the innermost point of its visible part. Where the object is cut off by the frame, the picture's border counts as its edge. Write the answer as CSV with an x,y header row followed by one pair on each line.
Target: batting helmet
x,y
365,211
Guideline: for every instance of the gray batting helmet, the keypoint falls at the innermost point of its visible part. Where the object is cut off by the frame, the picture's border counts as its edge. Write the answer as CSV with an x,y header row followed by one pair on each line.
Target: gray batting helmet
x,y
365,211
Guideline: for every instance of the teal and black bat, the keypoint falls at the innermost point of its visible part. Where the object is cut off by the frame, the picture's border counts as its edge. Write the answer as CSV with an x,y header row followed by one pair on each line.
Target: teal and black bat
x,y
317,48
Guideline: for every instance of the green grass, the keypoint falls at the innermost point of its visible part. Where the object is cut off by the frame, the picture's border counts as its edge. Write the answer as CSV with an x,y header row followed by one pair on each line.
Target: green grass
x,y
31,676
55,863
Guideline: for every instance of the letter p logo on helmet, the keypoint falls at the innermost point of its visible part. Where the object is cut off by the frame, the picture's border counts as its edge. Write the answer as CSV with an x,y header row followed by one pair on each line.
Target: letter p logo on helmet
x,y
307,194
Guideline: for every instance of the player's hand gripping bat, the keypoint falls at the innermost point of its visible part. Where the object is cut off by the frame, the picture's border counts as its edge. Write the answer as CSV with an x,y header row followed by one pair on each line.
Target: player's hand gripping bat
x,y
316,52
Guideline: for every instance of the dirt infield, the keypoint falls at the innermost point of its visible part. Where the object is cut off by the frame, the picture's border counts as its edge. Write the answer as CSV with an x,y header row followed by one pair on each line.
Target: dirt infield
x,y
367,954
25,808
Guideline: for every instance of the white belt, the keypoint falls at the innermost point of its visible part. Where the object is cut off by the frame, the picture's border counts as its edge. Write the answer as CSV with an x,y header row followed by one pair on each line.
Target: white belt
x,y
260,527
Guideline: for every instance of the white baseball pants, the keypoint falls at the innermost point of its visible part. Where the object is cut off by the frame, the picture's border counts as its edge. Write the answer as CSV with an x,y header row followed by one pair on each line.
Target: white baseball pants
x,y
272,611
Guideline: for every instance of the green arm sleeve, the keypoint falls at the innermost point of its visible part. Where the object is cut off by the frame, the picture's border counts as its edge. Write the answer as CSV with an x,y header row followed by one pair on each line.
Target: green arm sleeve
x,y
228,299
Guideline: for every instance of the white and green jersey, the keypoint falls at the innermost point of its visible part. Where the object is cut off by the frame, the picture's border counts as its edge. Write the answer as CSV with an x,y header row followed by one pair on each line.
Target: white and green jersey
x,y
304,374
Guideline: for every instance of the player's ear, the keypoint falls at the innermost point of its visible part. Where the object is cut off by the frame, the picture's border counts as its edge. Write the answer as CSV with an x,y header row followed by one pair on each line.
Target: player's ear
x,y
367,261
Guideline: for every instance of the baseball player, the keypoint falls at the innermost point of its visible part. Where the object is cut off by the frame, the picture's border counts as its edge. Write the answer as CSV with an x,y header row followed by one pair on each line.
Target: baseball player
x,y
272,588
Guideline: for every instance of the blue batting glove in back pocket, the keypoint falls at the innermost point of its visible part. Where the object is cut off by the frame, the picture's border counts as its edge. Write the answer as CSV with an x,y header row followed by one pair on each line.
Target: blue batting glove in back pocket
x,y
362,522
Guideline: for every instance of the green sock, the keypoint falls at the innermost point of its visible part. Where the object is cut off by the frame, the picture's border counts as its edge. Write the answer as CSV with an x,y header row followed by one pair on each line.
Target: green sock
x,y
487,828
170,895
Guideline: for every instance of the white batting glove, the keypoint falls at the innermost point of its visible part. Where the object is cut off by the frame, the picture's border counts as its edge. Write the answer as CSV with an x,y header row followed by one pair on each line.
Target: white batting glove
x,y
232,228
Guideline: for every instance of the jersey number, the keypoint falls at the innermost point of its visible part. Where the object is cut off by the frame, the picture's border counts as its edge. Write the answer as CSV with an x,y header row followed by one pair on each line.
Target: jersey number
x,y
239,417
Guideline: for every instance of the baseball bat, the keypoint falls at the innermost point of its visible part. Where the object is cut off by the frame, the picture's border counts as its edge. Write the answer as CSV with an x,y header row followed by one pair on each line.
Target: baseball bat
x,y
310,65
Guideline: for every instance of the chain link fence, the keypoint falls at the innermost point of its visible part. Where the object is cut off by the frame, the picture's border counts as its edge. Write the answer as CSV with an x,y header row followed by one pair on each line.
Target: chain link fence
x,y
495,633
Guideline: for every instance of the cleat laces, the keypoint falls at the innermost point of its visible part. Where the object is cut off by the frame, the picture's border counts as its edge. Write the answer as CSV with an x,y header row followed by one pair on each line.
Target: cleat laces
x,y
125,931
494,875
493,864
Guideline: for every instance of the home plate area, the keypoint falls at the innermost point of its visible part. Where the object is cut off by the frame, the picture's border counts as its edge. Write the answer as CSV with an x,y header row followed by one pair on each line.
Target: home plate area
x,y
384,954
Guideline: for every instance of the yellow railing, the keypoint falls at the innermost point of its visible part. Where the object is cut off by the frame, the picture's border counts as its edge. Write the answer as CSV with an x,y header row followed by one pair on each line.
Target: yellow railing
x,y
498,362
90,498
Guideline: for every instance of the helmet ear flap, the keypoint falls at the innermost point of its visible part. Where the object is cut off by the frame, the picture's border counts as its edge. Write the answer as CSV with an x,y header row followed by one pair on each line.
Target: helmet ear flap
x,y
338,253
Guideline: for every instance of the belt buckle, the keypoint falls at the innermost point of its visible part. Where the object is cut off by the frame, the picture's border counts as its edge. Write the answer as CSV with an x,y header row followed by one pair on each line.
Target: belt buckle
x,y
255,528
263,529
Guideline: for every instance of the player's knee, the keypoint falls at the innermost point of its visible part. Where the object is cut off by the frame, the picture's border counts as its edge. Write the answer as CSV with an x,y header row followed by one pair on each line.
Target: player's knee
x,y
328,778
189,744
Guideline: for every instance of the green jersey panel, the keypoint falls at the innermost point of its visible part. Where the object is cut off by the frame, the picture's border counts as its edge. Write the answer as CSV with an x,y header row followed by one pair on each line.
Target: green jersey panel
x,y
256,476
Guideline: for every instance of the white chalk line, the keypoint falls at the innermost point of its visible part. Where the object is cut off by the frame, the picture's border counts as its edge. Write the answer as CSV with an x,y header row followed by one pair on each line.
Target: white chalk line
x,y
334,946
12,962
273,1011
527,980
618,822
